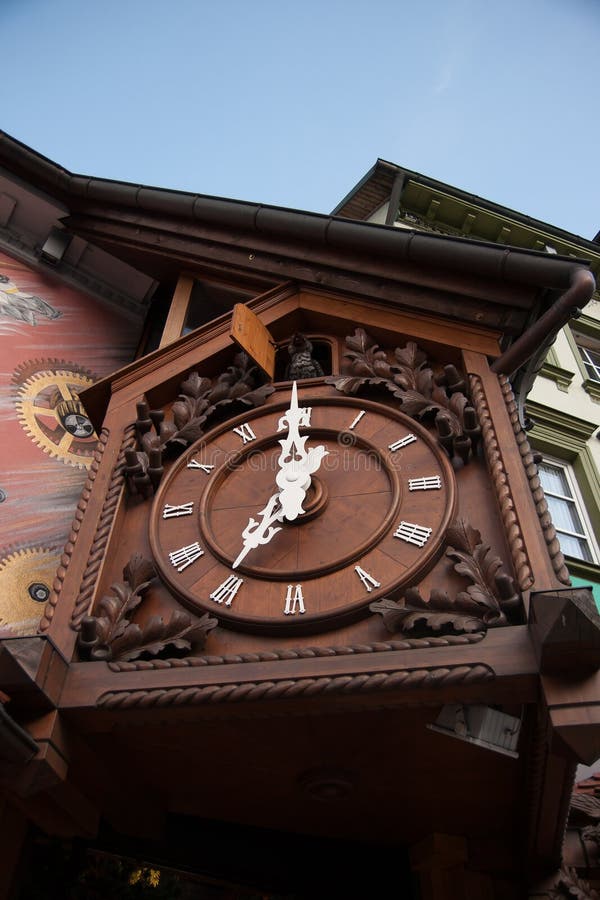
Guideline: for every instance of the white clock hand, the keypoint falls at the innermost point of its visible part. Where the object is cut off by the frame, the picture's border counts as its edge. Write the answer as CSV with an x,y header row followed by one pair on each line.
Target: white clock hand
x,y
257,533
292,446
296,464
294,481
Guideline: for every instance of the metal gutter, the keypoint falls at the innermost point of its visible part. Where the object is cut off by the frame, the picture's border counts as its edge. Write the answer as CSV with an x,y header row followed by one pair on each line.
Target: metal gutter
x,y
449,253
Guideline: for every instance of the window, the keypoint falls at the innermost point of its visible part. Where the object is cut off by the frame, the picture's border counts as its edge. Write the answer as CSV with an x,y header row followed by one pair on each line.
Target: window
x,y
591,358
567,510
584,338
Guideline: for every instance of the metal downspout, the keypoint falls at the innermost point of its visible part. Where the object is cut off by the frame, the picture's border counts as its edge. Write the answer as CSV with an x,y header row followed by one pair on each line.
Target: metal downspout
x,y
567,307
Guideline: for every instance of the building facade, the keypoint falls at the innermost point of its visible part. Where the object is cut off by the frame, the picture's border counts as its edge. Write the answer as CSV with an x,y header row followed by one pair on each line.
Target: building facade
x,y
312,560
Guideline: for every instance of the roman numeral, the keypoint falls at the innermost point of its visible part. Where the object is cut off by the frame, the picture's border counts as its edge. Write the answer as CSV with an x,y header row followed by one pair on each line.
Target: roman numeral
x,y
403,442
245,432
194,464
356,420
367,580
430,483
293,600
171,512
227,590
413,534
185,556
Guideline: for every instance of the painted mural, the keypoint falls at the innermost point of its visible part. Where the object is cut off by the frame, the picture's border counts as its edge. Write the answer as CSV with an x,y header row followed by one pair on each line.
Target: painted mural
x,y
58,341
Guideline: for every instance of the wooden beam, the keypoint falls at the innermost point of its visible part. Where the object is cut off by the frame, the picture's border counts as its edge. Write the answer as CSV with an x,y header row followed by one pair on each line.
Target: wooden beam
x,y
178,310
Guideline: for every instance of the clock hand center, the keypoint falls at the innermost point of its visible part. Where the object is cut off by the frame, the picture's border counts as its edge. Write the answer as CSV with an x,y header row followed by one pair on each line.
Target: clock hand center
x,y
296,465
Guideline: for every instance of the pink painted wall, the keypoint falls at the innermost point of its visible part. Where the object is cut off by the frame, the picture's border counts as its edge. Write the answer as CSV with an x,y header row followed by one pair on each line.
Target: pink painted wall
x,y
55,341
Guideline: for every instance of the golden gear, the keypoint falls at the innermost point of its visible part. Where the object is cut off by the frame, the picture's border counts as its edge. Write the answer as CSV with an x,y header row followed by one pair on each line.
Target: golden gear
x,y
27,577
51,413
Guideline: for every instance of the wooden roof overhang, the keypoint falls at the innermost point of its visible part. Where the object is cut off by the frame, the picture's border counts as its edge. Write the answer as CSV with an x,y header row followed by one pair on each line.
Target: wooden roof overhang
x,y
162,232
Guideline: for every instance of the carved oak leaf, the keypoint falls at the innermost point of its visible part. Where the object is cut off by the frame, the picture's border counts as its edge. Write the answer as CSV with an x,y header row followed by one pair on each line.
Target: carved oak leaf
x,y
179,631
410,357
219,392
258,396
402,617
424,382
195,385
139,572
440,613
413,403
126,597
349,384
366,359
474,560
190,432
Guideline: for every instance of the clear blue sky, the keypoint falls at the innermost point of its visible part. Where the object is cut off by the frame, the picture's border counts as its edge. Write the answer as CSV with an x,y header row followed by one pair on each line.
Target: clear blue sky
x,y
291,103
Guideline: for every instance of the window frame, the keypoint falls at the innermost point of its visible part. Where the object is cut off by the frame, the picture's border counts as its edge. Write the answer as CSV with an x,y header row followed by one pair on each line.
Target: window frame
x,y
576,498
584,333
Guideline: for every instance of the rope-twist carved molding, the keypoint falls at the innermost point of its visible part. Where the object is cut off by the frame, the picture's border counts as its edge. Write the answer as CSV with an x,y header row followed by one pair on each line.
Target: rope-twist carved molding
x,y
535,485
497,469
301,687
101,536
295,653
69,547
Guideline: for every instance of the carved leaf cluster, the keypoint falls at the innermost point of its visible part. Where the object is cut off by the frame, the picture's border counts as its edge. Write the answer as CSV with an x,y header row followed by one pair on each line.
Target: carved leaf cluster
x,y
199,402
111,634
491,590
482,605
439,614
412,382
592,834
586,805
569,885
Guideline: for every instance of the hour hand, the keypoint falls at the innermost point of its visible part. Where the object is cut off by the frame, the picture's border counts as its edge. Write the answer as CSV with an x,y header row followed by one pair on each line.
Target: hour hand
x,y
260,532
294,480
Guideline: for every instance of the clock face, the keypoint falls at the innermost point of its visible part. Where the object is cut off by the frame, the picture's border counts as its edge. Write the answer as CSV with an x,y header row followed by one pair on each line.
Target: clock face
x,y
299,529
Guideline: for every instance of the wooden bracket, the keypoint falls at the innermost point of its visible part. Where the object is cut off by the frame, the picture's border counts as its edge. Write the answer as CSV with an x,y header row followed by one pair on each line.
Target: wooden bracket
x,y
32,671
565,630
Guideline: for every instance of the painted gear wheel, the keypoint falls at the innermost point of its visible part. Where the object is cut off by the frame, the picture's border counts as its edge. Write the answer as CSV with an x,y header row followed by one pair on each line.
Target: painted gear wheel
x,y
27,577
50,411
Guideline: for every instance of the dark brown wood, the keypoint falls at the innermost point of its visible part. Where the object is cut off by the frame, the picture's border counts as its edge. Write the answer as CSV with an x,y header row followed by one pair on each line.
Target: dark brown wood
x,y
13,828
456,299
565,628
242,721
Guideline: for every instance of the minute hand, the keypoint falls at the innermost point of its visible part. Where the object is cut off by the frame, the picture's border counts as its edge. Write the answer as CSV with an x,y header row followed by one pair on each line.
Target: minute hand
x,y
257,533
296,465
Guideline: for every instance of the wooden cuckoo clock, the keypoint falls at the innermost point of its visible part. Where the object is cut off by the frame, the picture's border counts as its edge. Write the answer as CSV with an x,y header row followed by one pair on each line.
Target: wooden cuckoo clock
x,y
295,517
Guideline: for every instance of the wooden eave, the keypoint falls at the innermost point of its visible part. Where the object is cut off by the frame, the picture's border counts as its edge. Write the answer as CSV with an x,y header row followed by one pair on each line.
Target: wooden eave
x,y
161,231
